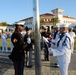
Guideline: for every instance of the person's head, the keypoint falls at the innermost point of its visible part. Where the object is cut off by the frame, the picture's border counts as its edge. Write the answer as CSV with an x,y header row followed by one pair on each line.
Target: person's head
x,y
70,29
56,27
19,27
48,28
12,30
28,30
63,28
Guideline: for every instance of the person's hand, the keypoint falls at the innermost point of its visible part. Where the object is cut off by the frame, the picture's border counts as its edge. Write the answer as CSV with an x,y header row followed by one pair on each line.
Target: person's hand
x,y
15,40
49,45
50,51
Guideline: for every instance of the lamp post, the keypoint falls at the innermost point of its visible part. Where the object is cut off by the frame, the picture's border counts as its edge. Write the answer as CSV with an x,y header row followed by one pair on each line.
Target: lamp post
x,y
36,23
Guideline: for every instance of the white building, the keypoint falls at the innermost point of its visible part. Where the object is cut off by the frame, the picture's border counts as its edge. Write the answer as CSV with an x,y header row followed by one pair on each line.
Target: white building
x,y
5,28
71,21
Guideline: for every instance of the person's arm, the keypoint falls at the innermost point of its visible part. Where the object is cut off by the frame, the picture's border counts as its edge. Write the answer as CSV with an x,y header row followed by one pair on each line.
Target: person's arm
x,y
62,51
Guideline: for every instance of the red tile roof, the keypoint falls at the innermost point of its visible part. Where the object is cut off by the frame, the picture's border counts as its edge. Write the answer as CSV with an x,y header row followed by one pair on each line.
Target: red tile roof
x,y
0,24
69,17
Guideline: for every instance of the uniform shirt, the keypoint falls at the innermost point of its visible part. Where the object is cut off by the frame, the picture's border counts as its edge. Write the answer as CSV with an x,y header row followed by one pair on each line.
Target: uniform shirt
x,y
72,35
63,51
27,39
4,36
18,50
55,39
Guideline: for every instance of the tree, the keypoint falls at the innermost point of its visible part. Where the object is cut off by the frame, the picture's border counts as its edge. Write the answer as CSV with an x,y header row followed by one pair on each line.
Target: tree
x,y
4,24
41,21
54,21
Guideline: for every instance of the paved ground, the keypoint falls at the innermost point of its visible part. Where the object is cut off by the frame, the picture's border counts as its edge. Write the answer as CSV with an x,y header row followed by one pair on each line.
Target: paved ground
x,y
6,66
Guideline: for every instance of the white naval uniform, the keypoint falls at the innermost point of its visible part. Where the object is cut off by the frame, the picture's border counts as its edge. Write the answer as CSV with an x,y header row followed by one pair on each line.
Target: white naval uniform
x,y
4,42
63,53
72,35
11,44
55,40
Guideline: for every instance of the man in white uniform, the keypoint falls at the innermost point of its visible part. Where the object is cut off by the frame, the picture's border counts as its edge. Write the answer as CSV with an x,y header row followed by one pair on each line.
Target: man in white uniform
x,y
72,35
4,41
63,51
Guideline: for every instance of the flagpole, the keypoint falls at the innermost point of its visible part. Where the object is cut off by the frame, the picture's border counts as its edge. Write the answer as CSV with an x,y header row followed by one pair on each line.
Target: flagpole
x,y
36,22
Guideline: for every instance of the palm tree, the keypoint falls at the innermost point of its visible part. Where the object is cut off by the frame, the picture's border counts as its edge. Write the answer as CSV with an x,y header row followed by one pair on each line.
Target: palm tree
x,y
54,21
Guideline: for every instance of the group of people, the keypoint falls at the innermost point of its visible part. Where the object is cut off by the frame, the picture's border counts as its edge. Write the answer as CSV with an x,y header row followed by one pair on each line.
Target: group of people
x,y
61,45
4,38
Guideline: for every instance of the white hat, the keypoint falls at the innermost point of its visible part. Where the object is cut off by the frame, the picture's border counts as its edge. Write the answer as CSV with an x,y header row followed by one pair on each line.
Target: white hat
x,y
12,28
56,26
45,27
63,25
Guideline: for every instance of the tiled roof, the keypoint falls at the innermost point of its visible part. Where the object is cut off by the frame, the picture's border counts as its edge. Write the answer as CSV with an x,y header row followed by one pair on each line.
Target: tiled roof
x,y
0,24
46,14
69,17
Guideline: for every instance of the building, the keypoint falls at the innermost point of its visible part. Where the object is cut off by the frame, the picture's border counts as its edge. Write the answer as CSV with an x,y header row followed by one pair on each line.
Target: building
x,y
45,19
5,28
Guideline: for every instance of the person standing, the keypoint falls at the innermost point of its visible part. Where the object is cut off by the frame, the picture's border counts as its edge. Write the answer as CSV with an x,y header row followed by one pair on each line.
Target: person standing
x,y
63,51
4,41
55,38
72,35
28,40
46,34
18,55
11,45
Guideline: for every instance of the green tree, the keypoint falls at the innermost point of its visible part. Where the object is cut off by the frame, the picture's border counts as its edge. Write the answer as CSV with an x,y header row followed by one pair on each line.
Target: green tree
x,y
54,21
4,24
41,21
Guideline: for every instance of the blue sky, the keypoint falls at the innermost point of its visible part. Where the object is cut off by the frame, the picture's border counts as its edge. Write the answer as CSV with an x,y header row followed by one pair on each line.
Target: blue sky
x,y
15,10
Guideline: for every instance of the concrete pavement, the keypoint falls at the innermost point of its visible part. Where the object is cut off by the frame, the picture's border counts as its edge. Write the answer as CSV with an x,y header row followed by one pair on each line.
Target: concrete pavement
x,y
46,69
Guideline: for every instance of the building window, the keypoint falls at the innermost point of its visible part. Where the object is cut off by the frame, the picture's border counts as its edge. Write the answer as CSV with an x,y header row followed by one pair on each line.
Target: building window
x,y
6,30
64,21
44,19
47,19
9,29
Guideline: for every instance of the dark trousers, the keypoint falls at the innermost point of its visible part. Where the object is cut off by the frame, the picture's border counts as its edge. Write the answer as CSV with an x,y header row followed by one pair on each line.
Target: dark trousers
x,y
19,67
46,53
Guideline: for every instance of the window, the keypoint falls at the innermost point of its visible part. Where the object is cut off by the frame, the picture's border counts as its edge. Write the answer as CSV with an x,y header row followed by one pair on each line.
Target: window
x,y
44,19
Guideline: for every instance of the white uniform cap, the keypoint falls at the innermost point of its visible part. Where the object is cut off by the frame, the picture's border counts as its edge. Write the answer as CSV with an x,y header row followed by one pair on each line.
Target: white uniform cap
x,y
12,28
45,27
56,26
63,25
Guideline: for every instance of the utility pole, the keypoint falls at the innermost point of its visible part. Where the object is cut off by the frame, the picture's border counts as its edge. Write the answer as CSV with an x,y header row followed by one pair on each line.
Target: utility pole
x,y
36,22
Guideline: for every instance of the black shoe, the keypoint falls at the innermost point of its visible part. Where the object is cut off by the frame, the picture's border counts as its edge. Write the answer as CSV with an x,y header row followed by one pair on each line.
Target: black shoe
x,y
47,59
30,66
56,65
